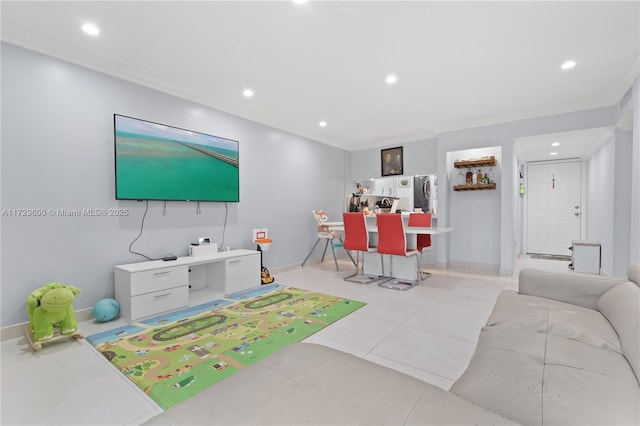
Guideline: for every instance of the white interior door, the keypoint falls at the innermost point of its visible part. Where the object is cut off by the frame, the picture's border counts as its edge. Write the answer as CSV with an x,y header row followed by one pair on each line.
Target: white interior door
x,y
554,206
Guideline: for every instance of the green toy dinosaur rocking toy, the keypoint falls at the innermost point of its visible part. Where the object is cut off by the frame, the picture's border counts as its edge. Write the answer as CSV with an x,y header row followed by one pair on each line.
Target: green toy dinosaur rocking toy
x,y
49,307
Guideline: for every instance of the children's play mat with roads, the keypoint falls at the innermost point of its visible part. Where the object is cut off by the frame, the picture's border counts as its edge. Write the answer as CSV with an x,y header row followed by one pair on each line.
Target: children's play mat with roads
x,y
174,356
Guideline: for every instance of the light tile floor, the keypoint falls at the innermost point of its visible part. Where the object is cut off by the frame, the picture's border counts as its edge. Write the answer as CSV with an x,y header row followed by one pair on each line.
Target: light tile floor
x,y
429,332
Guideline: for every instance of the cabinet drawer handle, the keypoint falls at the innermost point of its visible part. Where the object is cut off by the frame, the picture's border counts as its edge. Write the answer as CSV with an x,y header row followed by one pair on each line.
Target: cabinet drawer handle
x,y
233,262
161,273
158,296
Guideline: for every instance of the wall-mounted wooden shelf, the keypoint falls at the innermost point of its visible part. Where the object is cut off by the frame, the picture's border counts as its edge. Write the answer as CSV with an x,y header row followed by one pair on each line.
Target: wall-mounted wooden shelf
x,y
478,187
487,162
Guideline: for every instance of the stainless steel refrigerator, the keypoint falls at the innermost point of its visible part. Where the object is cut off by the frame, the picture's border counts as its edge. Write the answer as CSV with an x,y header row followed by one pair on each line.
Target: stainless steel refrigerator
x,y
422,192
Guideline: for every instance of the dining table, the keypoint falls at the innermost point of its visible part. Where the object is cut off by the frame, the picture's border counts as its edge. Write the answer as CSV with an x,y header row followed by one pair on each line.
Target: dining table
x,y
403,268
414,230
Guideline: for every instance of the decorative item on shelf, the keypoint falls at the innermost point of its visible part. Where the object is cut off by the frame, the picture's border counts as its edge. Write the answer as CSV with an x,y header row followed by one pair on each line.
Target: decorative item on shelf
x,y
404,182
480,186
469,164
475,178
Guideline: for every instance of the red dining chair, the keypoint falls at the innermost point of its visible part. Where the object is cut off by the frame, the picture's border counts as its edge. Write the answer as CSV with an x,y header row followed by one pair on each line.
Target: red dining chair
x,y
423,241
356,238
392,240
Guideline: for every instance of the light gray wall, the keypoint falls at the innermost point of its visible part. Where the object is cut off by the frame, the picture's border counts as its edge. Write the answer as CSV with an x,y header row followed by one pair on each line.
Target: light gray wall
x,y
621,250
501,225
517,206
600,197
474,215
608,201
635,176
57,153
419,158
503,135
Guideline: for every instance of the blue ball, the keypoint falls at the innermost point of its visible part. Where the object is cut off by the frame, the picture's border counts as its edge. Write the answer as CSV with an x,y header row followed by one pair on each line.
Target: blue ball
x,y
106,310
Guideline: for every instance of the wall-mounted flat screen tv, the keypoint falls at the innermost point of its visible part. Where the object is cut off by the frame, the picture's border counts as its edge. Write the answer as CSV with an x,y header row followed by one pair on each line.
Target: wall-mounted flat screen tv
x,y
159,162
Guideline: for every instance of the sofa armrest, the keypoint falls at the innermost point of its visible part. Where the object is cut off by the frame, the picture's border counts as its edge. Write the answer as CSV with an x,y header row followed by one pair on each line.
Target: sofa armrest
x,y
569,287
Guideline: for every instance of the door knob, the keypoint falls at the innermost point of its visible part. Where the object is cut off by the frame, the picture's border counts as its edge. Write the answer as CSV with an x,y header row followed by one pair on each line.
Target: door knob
x,y
576,207
577,213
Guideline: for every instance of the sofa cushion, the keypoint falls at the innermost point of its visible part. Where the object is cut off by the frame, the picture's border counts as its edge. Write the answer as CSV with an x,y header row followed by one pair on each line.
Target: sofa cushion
x,y
305,383
621,306
516,311
541,315
570,287
540,361
585,384
505,374
448,409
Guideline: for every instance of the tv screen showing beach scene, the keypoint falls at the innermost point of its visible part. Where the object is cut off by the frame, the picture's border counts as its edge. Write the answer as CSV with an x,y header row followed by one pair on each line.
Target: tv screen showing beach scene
x,y
160,162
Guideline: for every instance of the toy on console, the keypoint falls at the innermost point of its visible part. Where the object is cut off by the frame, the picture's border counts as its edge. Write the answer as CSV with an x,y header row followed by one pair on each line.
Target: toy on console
x,y
51,307
106,310
263,243
265,276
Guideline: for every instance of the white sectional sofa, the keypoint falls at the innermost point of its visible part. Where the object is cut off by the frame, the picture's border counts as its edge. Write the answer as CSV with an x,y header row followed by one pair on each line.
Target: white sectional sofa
x,y
564,349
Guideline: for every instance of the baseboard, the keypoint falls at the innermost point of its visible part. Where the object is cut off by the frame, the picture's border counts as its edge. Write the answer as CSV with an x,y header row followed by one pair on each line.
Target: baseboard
x,y
443,266
504,272
286,268
477,268
17,330
293,266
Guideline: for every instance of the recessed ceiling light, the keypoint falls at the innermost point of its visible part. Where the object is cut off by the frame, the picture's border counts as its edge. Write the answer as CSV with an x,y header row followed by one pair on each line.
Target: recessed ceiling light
x,y
91,29
568,65
391,79
553,153
322,124
555,144
247,93
299,1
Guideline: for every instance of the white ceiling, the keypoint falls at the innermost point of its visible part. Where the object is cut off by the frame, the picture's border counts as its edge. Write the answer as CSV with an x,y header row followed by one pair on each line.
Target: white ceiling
x,y
578,144
459,64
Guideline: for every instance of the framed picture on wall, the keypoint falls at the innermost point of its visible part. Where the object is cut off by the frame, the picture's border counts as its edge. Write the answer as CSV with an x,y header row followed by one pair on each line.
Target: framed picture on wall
x,y
391,161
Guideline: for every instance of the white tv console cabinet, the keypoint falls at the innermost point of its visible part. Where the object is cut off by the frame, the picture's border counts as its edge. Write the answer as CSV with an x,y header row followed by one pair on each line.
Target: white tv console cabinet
x,y
146,289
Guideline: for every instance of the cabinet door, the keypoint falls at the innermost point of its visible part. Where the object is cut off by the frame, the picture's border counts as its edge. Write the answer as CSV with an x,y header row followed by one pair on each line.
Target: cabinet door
x,y
242,273
158,302
158,279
